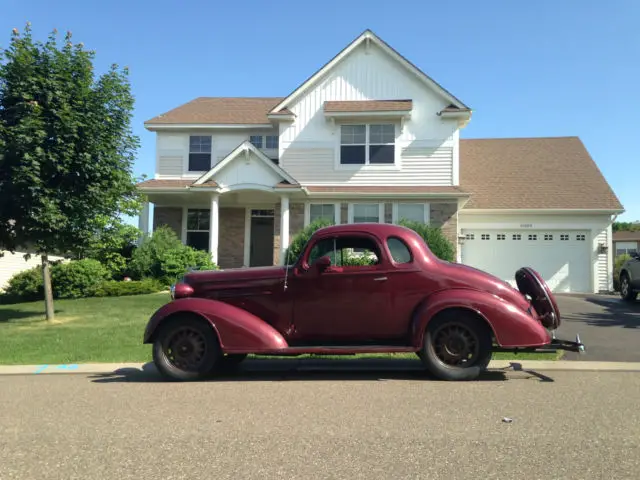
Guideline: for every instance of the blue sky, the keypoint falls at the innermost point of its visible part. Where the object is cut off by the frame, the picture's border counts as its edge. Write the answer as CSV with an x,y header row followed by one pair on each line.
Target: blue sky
x,y
543,68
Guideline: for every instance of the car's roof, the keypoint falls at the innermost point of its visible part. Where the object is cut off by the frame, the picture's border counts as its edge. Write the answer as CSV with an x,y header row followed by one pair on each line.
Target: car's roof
x,y
381,229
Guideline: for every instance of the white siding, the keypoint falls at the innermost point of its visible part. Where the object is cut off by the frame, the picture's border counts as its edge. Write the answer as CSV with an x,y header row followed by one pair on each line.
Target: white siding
x,y
12,263
173,150
314,164
427,143
596,226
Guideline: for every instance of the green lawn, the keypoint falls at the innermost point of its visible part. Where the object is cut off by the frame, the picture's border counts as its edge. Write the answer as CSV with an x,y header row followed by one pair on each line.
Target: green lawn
x,y
106,329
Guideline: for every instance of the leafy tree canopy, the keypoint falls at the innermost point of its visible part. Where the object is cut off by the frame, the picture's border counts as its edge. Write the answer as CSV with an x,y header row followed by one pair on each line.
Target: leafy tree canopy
x,y
66,145
626,226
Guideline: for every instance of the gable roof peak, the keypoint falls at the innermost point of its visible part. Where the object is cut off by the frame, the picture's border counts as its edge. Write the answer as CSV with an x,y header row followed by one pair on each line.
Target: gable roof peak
x,y
366,35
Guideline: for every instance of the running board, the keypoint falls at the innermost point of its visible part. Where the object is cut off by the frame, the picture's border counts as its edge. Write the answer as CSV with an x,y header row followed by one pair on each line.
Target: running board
x,y
339,350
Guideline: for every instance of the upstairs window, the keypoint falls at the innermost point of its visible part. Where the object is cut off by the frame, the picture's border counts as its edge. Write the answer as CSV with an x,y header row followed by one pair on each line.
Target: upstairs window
x,y
264,141
369,144
199,153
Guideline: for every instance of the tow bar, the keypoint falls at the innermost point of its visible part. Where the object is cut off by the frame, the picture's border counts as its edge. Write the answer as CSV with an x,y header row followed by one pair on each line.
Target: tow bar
x,y
556,344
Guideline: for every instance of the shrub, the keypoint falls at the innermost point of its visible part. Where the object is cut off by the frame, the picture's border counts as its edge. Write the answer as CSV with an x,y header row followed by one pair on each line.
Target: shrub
x,y
113,288
301,238
113,246
437,242
77,279
617,266
163,256
25,286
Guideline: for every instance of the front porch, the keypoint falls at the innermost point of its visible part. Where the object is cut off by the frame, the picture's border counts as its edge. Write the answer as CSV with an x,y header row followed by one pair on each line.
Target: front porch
x,y
239,229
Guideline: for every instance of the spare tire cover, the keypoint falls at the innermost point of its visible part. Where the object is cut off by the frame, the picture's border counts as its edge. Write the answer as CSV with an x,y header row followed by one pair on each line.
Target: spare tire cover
x,y
532,284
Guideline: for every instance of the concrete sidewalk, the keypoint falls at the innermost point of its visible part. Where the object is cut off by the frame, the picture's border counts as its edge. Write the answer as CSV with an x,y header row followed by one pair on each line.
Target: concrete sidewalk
x,y
105,368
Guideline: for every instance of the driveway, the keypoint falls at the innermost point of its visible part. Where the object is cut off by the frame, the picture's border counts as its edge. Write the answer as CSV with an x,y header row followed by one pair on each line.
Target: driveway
x,y
609,327
331,424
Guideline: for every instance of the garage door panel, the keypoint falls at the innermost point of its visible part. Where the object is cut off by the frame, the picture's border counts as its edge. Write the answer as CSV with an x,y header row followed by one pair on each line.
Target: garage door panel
x,y
561,257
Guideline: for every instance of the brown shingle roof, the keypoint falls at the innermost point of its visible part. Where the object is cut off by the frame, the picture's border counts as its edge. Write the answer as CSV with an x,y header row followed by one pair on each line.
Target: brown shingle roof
x,y
220,110
367,105
512,173
623,236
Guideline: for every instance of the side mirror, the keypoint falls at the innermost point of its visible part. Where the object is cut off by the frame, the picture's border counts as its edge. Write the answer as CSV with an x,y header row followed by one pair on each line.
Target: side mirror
x,y
322,264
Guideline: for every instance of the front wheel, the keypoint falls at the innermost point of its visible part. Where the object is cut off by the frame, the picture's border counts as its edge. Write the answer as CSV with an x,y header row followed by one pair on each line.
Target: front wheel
x,y
626,291
457,346
186,349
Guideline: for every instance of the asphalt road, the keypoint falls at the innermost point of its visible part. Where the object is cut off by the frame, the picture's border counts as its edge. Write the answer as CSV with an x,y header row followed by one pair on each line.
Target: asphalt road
x,y
609,327
331,424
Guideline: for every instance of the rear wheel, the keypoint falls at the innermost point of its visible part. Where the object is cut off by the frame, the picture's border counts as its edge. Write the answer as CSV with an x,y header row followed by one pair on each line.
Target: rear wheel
x,y
457,346
626,291
186,349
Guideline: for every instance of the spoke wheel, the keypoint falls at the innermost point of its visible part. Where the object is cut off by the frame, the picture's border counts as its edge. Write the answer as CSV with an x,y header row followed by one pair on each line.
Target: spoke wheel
x,y
625,289
456,344
186,348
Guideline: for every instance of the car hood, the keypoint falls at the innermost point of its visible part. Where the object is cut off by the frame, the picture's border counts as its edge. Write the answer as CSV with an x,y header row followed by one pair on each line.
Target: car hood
x,y
233,275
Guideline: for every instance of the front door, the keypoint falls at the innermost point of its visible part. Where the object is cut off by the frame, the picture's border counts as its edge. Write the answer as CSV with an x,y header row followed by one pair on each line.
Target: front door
x,y
261,244
348,303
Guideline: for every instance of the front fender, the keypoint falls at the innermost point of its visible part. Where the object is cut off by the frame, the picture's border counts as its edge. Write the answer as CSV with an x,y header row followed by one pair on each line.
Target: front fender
x,y
512,326
238,330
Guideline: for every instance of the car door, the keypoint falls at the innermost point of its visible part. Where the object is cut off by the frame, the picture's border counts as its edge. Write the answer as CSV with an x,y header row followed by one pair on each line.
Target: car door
x,y
633,266
347,302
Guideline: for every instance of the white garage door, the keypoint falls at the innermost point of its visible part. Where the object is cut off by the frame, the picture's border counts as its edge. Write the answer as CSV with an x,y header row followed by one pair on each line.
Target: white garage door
x,y
561,257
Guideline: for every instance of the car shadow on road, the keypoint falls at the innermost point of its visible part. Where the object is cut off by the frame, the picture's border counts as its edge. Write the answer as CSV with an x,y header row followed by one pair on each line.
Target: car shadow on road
x,y
615,313
287,370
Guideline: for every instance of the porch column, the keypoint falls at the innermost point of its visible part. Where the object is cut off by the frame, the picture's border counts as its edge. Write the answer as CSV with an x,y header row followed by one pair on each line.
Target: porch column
x,y
143,220
213,228
284,227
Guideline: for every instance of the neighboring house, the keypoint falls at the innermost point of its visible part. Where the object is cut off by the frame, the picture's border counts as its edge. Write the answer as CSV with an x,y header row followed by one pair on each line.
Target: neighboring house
x,y
626,242
371,138
13,263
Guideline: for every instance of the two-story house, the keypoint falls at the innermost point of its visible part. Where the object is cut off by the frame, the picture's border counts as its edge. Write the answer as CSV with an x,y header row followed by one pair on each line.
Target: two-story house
x,y
371,138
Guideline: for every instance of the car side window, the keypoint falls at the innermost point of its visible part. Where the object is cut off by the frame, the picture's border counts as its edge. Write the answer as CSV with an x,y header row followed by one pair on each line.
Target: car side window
x,y
399,250
347,251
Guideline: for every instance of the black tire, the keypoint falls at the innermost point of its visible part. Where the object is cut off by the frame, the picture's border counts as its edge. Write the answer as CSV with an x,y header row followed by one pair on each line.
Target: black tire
x,y
626,292
457,346
232,360
198,341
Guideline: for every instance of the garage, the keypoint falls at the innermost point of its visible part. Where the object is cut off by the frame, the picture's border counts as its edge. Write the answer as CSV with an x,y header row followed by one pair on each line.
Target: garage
x,y
563,258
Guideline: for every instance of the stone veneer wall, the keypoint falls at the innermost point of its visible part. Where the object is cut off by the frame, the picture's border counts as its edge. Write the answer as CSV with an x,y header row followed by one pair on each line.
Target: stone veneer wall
x,y
443,215
231,238
169,216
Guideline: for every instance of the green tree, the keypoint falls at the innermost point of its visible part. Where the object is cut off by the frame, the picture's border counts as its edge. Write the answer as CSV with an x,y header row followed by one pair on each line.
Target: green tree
x,y
112,245
66,148
626,226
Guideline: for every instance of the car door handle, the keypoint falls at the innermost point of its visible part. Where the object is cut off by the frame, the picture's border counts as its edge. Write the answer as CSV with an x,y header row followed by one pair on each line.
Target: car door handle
x,y
380,279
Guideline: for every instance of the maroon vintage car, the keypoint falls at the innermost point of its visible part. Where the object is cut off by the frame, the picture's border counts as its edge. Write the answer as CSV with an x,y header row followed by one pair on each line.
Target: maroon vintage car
x,y
356,288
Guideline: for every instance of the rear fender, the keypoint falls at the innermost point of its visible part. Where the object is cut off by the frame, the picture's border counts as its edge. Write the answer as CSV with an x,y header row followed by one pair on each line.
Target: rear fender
x,y
238,330
511,326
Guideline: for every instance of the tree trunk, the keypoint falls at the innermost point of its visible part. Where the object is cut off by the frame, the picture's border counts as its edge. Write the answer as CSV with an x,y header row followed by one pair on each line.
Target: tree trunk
x,y
48,294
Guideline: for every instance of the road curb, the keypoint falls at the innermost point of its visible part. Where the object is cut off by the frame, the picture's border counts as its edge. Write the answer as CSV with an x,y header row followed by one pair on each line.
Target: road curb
x,y
515,365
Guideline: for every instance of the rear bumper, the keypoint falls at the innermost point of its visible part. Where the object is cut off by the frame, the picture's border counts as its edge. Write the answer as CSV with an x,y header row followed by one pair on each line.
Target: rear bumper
x,y
553,346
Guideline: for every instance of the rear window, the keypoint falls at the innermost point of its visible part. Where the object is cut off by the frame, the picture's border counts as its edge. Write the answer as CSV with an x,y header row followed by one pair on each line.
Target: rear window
x,y
399,250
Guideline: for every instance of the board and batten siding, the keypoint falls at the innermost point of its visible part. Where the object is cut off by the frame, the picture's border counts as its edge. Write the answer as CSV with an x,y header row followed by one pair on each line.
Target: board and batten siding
x,y
427,145
598,226
172,150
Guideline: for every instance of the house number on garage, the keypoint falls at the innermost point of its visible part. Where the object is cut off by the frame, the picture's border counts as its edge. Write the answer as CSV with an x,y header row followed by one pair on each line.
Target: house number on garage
x,y
526,225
